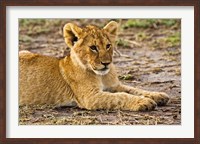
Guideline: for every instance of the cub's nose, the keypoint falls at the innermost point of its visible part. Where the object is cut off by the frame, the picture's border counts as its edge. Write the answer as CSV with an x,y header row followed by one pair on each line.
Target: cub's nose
x,y
105,64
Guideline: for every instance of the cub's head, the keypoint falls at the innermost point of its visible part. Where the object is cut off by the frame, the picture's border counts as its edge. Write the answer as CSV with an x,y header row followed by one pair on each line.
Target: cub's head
x,y
91,47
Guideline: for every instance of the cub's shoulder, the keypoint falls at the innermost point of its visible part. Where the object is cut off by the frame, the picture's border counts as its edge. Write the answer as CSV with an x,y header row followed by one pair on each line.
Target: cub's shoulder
x,y
29,57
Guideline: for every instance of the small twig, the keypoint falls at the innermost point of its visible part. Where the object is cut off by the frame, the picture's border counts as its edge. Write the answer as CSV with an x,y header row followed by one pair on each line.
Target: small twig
x,y
120,54
133,42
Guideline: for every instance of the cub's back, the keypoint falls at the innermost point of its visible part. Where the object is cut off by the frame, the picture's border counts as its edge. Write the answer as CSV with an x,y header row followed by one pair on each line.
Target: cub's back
x,y
40,80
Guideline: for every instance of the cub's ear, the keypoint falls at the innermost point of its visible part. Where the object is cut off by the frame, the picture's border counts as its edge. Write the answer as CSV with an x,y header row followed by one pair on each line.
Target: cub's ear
x,y
71,33
112,28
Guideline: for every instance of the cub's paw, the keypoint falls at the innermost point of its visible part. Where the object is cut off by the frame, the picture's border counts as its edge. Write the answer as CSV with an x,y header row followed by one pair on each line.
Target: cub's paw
x,y
145,104
160,98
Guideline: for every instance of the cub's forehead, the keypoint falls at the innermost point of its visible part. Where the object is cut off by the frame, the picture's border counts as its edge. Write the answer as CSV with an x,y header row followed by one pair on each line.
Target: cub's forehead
x,y
95,33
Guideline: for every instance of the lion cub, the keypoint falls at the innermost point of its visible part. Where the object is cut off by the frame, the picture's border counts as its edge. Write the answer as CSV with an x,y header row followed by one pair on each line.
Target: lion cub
x,y
87,76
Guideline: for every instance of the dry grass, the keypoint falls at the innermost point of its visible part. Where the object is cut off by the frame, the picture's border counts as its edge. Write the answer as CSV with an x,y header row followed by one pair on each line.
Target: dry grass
x,y
152,62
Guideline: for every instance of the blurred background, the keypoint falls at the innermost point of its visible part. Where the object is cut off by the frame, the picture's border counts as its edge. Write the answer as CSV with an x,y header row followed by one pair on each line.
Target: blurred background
x,y
46,34
147,55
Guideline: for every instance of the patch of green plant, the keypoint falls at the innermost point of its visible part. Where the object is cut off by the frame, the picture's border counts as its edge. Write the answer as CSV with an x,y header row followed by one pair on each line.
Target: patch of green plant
x,y
121,42
147,23
174,40
38,26
168,22
30,22
25,38
141,36
126,77
139,23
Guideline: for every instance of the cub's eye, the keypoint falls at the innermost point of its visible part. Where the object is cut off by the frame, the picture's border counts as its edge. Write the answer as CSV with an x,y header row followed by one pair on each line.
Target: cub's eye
x,y
94,48
108,46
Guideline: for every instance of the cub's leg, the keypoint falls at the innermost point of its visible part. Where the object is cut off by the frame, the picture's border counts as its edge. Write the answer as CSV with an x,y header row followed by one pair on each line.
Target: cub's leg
x,y
107,100
159,97
112,83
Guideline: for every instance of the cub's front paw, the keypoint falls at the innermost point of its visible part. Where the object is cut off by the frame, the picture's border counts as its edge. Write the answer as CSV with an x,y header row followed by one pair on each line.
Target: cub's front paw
x,y
160,98
145,104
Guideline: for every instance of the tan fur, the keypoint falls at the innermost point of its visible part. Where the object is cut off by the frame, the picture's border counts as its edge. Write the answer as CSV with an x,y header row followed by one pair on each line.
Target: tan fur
x,y
82,76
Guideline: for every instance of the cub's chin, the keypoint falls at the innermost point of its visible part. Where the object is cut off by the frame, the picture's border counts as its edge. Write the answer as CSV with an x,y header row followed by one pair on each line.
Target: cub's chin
x,y
101,72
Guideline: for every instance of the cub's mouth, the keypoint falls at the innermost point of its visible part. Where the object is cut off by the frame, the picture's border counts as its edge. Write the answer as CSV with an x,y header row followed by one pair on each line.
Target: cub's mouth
x,y
102,71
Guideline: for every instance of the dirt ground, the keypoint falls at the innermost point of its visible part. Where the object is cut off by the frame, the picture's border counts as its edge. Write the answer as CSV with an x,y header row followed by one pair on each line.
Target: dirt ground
x,y
150,59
